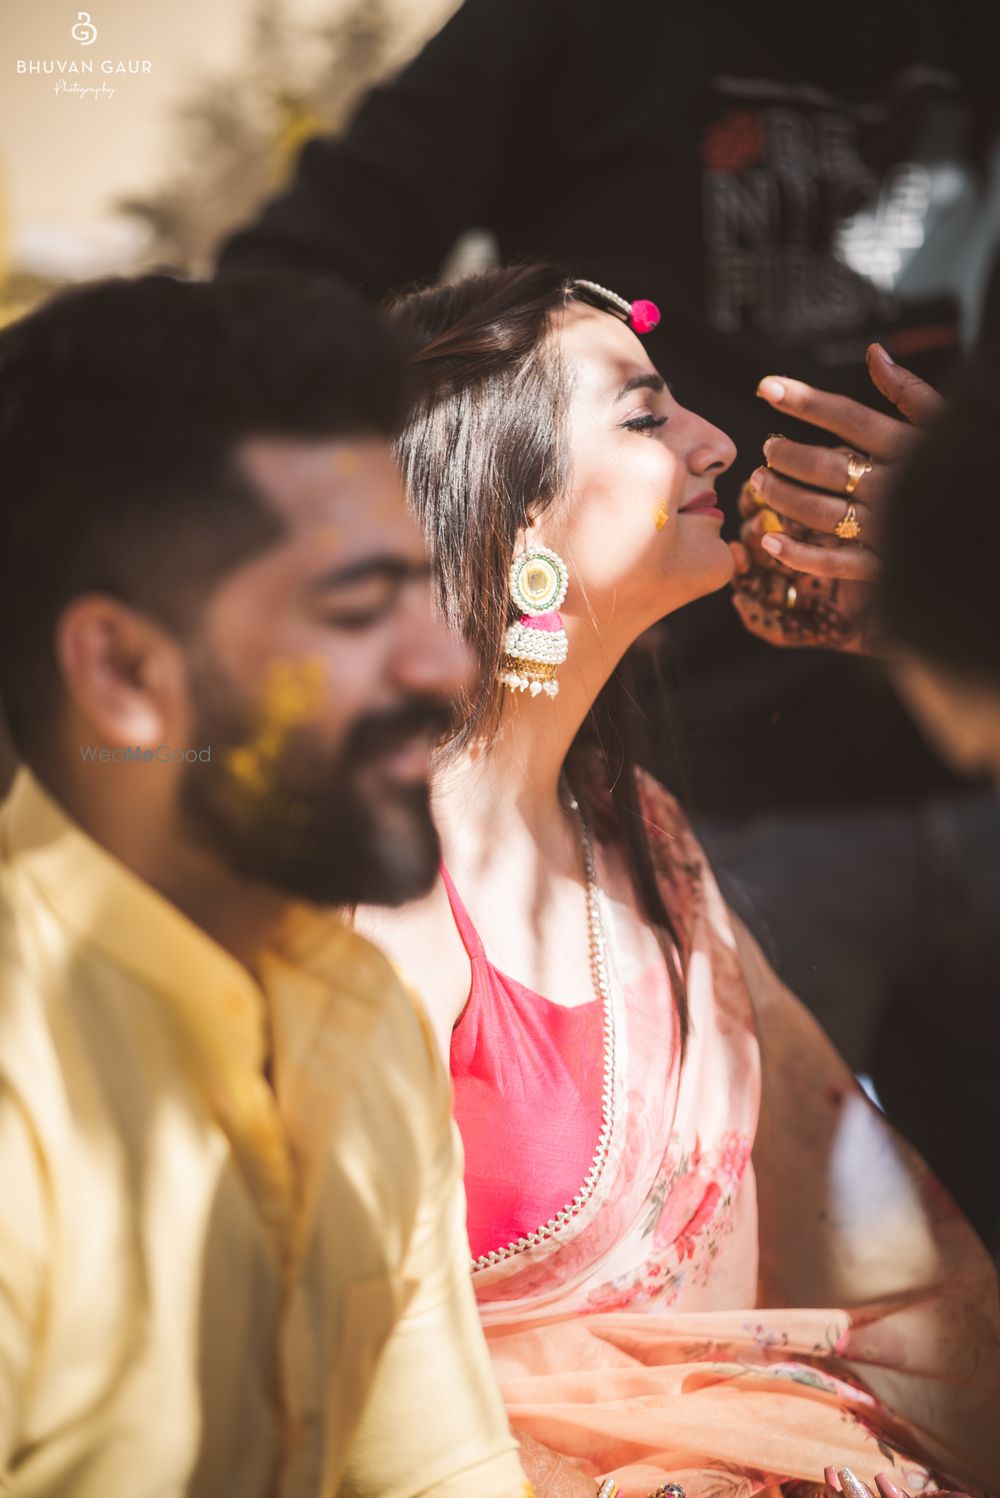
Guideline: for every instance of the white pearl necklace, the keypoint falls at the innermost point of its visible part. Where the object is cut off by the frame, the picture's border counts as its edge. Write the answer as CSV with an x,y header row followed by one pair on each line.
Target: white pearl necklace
x,y
602,988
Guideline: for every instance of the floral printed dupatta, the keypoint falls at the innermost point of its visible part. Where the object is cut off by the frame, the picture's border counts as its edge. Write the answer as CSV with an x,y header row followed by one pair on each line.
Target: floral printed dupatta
x,y
765,1279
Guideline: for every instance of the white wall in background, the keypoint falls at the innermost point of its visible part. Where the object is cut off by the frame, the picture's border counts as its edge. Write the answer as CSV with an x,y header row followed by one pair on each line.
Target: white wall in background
x,y
65,157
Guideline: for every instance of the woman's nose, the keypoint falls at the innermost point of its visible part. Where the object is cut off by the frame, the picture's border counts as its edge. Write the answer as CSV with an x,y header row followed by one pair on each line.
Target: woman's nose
x,y
714,450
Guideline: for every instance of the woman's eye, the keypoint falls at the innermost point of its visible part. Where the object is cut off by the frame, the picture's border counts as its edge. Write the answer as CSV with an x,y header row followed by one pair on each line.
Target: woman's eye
x,y
644,423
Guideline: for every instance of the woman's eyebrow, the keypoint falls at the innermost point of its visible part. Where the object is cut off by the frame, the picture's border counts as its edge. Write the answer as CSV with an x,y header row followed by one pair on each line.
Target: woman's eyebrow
x,y
641,382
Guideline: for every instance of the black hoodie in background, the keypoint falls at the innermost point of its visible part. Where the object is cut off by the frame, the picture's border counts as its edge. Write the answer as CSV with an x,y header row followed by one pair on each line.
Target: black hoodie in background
x,y
786,188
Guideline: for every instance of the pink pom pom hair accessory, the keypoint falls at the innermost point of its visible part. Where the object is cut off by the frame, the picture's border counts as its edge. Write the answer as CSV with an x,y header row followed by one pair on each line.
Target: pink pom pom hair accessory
x,y
642,316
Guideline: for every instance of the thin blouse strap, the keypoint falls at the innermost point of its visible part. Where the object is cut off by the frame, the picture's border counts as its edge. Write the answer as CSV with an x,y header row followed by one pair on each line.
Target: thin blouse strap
x,y
471,940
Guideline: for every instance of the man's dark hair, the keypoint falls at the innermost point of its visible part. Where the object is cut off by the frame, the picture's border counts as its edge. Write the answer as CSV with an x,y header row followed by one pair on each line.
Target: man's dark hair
x,y
122,407
940,597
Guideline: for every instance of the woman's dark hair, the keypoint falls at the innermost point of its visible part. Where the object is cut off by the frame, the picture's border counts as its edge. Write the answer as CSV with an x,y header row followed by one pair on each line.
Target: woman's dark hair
x,y
939,597
482,448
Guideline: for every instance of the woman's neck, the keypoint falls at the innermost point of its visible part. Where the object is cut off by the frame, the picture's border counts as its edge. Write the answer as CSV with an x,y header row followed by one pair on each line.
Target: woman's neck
x,y
511,788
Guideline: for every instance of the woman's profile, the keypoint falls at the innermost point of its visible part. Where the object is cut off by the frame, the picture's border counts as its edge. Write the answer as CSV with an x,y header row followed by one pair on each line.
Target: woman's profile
x,y
700,1254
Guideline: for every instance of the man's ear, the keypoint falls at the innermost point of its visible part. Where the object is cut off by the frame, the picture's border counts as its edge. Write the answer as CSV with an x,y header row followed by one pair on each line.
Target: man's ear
x,y
123,673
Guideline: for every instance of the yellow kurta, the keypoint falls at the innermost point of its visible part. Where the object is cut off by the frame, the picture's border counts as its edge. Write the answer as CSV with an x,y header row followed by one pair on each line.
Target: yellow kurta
x,y
207,1286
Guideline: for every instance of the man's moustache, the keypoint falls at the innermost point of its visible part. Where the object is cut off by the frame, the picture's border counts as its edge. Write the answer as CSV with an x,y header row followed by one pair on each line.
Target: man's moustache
x,y
381,733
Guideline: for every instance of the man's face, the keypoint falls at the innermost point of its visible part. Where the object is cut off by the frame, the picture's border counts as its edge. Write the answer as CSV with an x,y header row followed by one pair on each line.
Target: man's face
x,y
321,681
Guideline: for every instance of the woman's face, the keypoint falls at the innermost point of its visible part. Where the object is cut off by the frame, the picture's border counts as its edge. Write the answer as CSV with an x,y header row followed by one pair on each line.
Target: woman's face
x,y
639,529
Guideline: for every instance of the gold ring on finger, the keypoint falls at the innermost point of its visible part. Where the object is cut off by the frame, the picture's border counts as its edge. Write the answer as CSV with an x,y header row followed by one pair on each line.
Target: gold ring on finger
x,y
849,528
857,467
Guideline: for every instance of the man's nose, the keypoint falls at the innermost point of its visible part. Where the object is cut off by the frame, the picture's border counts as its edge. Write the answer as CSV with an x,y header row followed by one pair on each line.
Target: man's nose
x,y
433,659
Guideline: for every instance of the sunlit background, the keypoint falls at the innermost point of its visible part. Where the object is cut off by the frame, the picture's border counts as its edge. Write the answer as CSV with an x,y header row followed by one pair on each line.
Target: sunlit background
x,y
151,174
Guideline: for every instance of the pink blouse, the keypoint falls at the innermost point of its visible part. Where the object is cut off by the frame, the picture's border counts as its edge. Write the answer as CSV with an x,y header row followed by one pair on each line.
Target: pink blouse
x,y
527,1077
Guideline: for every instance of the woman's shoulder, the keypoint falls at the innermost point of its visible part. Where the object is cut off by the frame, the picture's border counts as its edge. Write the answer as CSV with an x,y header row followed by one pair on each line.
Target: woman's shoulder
x,y
661,811
668,828
666,815
678,862
722,1003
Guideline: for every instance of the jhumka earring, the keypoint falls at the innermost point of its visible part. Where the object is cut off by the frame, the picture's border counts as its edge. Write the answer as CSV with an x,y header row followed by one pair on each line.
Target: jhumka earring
x,y
535,645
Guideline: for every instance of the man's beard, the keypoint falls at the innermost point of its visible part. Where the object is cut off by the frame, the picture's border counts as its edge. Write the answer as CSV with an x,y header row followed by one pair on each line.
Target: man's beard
x,y
323,825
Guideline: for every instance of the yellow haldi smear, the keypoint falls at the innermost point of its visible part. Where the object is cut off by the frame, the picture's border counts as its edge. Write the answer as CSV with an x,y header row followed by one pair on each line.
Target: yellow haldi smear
x,y
292,694
345,463
661,515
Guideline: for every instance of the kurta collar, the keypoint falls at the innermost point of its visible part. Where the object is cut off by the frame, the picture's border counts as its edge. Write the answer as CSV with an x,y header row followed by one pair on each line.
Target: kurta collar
x,y
110,907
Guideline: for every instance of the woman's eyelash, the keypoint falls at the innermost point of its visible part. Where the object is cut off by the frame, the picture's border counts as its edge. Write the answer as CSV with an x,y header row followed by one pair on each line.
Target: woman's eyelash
x,y
644,423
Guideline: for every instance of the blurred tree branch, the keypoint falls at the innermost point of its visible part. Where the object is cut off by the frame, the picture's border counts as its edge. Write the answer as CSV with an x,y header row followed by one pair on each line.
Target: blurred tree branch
x,y
238,135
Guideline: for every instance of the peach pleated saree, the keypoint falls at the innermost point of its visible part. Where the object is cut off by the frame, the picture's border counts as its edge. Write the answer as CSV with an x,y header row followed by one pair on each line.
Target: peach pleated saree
x,y
766,1279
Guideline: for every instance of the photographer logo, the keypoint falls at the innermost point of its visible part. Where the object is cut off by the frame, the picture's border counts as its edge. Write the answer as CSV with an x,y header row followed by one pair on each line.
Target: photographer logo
x,y
84,32
67,71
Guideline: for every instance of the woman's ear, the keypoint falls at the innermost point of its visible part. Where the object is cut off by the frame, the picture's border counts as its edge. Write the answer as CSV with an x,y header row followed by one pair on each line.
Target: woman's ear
x,y
527,535
532,532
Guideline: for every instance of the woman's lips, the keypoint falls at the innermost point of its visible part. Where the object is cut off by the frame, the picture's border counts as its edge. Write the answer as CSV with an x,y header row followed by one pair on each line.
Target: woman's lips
x,y
702,504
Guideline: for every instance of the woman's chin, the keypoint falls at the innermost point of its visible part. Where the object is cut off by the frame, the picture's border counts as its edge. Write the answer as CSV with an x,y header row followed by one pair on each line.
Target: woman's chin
x,y
711,570
708,579
727,565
